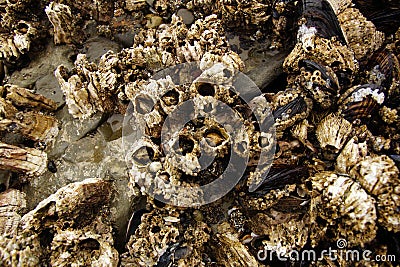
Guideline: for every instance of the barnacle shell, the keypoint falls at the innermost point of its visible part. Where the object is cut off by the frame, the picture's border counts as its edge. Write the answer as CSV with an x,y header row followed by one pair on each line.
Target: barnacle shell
x,y
363,39
379,176
147,246
12,202
229,250
234,13
300,132
332,132
31,161
33,125
161,239
65,29
74,235
345,208
134,5
352,153
22,97
327,52
90,89
285,231
18,42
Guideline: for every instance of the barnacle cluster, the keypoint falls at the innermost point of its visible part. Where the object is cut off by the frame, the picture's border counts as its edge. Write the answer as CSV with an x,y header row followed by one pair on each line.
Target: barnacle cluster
x,y
334,107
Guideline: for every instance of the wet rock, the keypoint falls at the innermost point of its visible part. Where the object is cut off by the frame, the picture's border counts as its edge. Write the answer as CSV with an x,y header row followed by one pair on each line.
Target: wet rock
x,y
39,75
265,66
112,128
98,46
74,129
186,16
153,21
125,39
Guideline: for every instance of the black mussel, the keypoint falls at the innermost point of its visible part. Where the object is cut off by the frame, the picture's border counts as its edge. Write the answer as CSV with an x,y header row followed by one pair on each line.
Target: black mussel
x,y
360,102
279,176
385,14
134,222
320,15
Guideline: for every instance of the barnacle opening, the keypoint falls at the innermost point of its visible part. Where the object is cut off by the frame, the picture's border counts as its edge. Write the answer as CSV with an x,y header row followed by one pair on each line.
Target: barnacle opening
x,y
205,89
214,137
143,155
263,141
186,144
171,98
143,104
22,27
90,244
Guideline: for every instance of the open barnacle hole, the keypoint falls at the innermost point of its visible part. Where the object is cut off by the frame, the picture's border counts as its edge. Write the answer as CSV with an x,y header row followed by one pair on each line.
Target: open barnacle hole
x,y
205,89
142,153
205,140
214,137
144,104
143,156
145,111
22,27
186,144
171,97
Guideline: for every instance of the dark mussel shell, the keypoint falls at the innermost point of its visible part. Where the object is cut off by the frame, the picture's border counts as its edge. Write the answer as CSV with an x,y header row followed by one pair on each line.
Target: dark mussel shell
x,y
134,222
173,253
388,65
359,110
279,176
385,14
312,66
320,15
297,105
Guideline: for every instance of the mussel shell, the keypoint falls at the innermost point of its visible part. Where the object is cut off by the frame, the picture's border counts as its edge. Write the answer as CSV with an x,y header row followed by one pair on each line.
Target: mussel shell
x,y
387,62
313,66
320,15
134,222
279,176
298,105
360,110
353,110
383,13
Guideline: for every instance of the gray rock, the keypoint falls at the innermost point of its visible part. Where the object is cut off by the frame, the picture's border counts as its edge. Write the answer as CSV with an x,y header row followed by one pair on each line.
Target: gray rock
x,y
186,15
125,38
74,129
39,74
98,46
264,66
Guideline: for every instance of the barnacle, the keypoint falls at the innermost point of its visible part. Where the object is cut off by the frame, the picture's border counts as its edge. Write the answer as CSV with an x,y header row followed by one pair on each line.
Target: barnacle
x,y
61,223
334,107
12,203
332,132
65,28
160,238
345,209
379,176
364,39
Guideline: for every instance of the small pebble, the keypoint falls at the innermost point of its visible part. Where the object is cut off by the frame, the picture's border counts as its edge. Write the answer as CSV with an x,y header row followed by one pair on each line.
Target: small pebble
x,y
186,15
153,21
51,166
